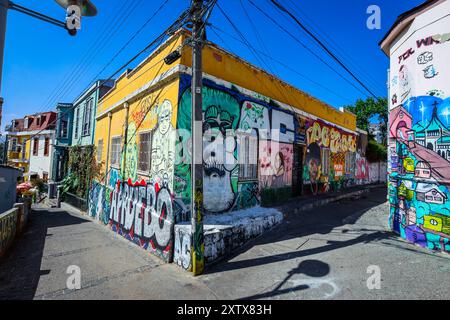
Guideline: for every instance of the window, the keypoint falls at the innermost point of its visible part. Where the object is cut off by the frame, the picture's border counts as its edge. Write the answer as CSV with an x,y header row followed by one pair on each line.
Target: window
x,y
99,150
350,162
77,119
13,144
45,176
248,155
145,149
63,130
87,118
46,147
25,123
35,146
115,151
326,161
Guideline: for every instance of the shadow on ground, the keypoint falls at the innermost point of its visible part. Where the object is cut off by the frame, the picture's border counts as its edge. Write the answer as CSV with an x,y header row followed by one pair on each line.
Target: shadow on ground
x,y
20,270
317,221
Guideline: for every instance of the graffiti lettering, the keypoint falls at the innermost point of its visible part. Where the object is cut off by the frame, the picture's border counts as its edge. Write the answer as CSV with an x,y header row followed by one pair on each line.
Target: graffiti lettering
x,y
143,213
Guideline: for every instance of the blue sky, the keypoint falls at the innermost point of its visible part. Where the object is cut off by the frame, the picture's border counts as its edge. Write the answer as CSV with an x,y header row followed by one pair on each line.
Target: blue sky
x,y
40,57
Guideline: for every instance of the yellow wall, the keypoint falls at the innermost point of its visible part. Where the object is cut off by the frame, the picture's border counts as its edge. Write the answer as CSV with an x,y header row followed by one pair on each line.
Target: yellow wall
x,y
18,155
148,70
143,116
223,65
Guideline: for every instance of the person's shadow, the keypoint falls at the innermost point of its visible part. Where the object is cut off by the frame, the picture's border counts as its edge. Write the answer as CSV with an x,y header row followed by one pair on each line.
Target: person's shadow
x,y
310,268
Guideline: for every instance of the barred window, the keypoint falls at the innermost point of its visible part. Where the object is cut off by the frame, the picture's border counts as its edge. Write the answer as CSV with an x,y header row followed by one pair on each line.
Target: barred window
x,y
99,151
326,161
248,157
116,144
145,149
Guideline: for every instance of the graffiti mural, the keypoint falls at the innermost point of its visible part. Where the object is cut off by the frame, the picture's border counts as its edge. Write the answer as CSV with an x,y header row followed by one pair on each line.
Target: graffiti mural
x,y
163,146
228,113
143,213
275,167
100,202
325,172
419,144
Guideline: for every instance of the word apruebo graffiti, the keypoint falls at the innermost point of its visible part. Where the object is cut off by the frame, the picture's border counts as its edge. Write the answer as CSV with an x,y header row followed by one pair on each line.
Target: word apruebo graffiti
x,y
143,213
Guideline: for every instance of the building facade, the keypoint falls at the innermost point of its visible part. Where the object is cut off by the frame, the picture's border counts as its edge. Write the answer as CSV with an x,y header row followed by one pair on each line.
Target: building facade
x,y
18,146
31,144
84,112
63,140
261,136
419,130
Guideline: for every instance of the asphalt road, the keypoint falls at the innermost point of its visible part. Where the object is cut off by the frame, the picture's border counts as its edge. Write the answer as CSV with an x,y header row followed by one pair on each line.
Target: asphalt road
x,y
320,254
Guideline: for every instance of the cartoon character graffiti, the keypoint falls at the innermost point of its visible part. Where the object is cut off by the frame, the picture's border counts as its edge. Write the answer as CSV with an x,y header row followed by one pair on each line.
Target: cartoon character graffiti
x,y
163,146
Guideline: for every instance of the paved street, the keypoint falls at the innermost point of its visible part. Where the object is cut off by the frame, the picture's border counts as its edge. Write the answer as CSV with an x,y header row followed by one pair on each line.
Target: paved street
x,y
320,254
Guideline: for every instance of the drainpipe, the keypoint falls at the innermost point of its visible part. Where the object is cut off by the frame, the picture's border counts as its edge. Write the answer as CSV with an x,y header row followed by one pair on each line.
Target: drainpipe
x,y
108,147
124,164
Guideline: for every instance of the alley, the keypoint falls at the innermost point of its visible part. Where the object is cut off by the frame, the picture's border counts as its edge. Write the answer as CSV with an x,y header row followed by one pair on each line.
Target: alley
x,y
320,254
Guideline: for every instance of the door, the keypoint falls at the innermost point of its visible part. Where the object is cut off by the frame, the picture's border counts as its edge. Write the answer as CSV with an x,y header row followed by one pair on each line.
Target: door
x,y
297,171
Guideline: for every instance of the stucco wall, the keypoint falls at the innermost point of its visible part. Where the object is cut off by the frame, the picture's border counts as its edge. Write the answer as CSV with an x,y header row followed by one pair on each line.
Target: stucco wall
x,y
8,183
42,163
419,131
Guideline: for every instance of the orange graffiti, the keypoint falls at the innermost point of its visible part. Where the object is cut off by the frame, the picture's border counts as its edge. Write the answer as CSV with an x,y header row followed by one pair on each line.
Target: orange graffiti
x,y
329,137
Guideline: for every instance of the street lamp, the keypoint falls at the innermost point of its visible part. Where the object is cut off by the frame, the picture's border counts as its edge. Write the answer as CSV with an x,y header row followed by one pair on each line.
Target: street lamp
x,y
75,10
88,9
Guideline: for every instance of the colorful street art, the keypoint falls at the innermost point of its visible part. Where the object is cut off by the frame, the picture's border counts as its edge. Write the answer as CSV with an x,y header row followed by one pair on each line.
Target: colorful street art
x,y
143,213
227,114
420,177
322,177
419,131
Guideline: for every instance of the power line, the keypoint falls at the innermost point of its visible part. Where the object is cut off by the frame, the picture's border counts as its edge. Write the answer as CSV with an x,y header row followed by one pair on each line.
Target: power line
x,y
336,46
306,47
282,8
130,40
214,28
82,61
256,55
78,75
174,26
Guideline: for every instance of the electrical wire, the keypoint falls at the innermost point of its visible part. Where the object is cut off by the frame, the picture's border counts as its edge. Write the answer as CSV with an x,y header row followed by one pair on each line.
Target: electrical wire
x,y
306,47
214,28
282,8
170,29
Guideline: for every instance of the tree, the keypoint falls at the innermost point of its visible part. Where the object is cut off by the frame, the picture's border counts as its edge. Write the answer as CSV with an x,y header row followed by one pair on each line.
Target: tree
x,y
366,110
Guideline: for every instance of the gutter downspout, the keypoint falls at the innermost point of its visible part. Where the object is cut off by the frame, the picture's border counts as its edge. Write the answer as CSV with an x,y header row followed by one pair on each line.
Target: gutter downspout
x,y
127,113
108,148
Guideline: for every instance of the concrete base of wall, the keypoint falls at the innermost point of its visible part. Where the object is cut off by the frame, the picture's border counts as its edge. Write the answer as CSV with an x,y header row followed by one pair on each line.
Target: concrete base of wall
x,y
224,233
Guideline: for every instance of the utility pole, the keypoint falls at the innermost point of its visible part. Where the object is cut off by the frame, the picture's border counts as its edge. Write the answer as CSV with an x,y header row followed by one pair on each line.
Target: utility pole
x,y
3,13
197,211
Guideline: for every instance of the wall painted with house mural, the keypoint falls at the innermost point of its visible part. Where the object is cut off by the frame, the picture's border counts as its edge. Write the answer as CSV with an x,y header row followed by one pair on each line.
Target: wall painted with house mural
x,y
419,130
